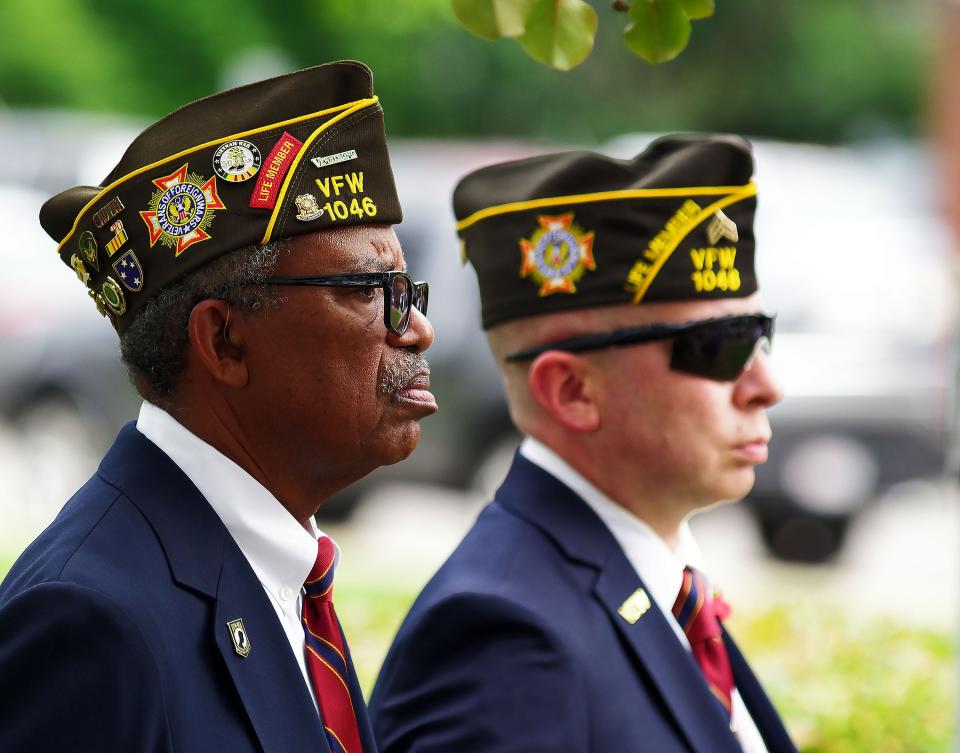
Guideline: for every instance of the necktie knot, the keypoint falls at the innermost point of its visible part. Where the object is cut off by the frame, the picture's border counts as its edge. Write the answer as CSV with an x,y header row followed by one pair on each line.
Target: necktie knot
x,y
698,609
699,612
319,584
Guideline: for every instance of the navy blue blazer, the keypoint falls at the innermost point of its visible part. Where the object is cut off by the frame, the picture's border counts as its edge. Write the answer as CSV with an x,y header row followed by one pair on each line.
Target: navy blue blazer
x,y
113,628
516,645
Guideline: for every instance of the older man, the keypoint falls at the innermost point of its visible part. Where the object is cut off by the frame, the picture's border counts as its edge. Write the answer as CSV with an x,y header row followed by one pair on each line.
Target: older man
x,y
181,601
576,616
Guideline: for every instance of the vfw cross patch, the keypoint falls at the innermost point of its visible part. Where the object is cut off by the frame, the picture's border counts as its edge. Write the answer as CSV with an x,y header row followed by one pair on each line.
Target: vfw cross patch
x,y
181,210
557,255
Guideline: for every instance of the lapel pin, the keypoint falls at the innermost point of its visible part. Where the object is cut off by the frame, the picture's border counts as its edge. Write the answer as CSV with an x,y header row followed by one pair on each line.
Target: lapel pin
x,y
238,634
635,606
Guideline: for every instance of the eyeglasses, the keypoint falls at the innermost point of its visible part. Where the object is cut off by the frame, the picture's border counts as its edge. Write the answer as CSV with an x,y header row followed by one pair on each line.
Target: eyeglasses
x,y
400,292
719,349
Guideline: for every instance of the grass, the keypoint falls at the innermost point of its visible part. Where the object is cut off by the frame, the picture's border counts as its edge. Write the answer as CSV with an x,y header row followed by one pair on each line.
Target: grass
x,y
370,616
843,684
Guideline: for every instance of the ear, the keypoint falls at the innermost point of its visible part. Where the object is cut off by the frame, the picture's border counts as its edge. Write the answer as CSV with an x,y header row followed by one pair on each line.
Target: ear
x,y
566,388
217,342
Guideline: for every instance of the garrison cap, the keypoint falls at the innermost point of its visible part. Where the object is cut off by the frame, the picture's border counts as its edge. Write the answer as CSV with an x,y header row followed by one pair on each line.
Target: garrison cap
x,y
294,154
577,229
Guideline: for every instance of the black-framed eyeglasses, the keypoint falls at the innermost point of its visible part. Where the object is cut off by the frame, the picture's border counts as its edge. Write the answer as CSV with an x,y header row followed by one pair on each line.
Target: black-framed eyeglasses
x,y
720,348
400,292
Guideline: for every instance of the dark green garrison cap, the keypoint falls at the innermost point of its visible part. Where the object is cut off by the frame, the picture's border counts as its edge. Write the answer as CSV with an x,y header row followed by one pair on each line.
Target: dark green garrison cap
x,y
290,155
576,229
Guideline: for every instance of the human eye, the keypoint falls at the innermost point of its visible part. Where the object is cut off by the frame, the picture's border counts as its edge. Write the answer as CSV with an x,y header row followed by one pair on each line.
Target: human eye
x,y
370,293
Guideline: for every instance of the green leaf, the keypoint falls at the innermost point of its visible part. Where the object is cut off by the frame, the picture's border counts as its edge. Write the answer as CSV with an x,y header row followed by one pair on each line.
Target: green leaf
x,y
560,33
492,19
658,30
697,9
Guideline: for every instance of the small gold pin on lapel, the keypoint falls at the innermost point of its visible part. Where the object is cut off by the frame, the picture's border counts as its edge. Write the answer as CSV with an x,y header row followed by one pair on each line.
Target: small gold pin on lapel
x,y
238,634
722,226
635,606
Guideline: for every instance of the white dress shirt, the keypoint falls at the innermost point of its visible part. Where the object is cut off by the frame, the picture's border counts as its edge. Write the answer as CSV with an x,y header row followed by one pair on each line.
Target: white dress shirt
x,y
658,565
280,551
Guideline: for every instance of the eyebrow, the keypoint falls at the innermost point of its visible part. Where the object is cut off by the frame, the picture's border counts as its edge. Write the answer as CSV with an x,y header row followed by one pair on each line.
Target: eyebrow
x,y
375,265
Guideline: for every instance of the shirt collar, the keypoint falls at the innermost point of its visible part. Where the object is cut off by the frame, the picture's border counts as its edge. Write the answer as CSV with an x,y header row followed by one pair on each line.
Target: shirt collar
x,y
280,551
660,566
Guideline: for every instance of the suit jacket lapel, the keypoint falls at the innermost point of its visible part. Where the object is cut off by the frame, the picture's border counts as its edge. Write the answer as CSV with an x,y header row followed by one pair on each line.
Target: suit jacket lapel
x,y
764,714
204,558
268,679
546,503
670,666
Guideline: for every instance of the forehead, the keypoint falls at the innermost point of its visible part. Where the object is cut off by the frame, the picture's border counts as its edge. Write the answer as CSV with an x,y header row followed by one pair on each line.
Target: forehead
x,y
359,248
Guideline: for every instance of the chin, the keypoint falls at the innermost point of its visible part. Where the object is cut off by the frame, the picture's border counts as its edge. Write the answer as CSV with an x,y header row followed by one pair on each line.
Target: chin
x,y
403,445
732,487
739,486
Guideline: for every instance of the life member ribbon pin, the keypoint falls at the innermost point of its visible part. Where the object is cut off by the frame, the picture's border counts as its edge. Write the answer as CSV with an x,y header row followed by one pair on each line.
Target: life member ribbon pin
x,y
238,634
635,606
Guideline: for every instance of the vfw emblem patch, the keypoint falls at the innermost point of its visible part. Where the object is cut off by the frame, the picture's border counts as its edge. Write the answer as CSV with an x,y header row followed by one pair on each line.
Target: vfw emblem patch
x,y
181,210
557,255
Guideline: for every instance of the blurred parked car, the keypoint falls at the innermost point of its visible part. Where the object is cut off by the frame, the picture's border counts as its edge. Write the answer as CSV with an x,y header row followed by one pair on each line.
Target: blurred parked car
x,y
856,261
851,258
62,390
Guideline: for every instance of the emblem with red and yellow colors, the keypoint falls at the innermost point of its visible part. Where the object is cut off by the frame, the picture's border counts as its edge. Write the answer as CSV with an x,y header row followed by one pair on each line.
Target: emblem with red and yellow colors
x,y
182,210
557,255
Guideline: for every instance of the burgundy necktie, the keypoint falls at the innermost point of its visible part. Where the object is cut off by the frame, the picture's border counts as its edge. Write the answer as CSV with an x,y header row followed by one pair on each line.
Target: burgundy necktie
x,y
699,614
326,658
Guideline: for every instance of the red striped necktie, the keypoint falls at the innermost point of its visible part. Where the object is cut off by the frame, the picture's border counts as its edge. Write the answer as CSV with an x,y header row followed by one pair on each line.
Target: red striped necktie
x,y
326,658
699,614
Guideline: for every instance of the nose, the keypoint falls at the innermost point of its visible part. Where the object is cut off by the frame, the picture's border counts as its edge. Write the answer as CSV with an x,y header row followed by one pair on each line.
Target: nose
x,y
419,334
758,386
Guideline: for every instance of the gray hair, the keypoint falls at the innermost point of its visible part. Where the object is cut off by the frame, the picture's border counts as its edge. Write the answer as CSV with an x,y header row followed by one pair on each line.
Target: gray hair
x,y
154,346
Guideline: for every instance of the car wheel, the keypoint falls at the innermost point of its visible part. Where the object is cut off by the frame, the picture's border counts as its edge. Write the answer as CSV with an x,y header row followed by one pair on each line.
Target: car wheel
x,y
796,535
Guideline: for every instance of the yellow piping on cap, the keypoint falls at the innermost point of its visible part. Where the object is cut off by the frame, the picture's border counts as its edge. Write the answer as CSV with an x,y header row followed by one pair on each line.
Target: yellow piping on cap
x,y
192,149
587,198
354,107
745,192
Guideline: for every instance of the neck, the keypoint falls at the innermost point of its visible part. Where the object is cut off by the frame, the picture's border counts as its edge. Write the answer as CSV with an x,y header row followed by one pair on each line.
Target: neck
x,y
216,423
664,514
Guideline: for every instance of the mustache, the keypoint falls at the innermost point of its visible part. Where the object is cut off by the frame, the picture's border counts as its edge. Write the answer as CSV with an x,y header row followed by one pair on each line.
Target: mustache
x,y
399,373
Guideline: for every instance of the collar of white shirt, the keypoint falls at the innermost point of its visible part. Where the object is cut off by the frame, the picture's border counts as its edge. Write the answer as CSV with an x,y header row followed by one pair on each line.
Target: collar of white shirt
x,y
660,566
280,551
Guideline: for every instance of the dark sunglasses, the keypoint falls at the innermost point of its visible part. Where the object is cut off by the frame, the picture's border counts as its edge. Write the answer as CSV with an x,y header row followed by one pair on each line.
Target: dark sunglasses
x,y
400,292
719,349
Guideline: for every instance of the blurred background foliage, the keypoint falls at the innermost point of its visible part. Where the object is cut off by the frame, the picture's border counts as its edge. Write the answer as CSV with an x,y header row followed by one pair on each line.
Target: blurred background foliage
x,y
851,684
818,70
